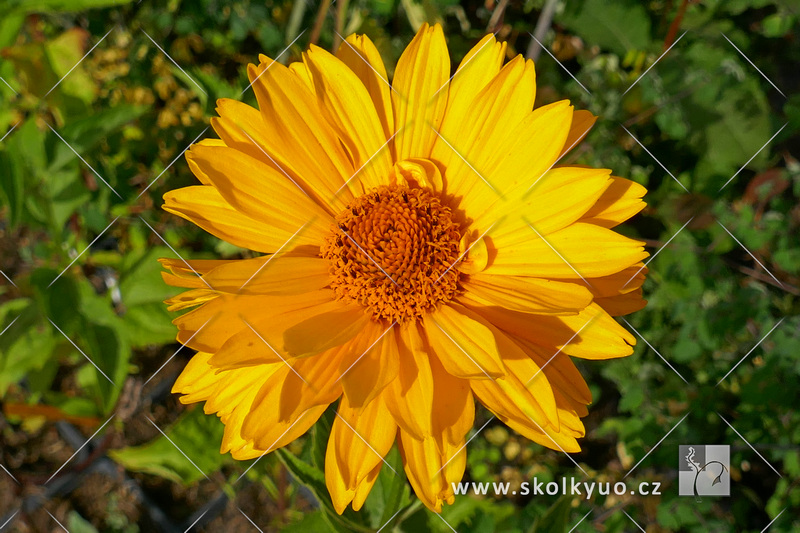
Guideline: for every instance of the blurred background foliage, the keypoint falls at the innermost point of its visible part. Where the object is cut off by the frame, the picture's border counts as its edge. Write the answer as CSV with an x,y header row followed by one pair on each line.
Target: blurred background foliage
x,y
95,117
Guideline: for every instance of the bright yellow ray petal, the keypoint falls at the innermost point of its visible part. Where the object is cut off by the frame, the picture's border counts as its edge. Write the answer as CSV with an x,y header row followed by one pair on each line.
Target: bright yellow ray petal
x,y
284,396
325,330
419,95
621,201
370,365
561,197
268,434
476,70
350,111
470,140
579,250
410,397
454,407
359,440
561,372
550,439
582,122
591,334
210,326
365,487
514,396
359,53
283,275
188,299
204,206
527,295
530,149
431,471
420,173
464,344
242,127
301,71
623,304
298,137
262,193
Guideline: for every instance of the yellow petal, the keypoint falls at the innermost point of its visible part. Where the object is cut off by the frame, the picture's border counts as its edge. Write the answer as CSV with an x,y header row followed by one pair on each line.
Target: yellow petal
x,y
370,365
556,440
591,334
582,122
242,126
410,397
454,408
262,193
365,487
578,251
476,70
515,395
561,372
529,150
189,299
283,275
561,197
268,433
197,381
301,71
475,254
298,137
419,95
527,295
464,344
360,54
431,471
621,201
284,396
325,330
421,173
623,304
210,326
204,206
350,110
359,440
469,139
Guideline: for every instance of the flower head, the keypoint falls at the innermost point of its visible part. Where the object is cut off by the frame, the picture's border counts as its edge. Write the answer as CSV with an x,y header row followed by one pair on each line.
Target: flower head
x,y
423,249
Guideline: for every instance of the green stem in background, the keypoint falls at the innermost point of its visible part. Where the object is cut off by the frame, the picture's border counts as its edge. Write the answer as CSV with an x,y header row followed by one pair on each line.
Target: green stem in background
x,y
295,20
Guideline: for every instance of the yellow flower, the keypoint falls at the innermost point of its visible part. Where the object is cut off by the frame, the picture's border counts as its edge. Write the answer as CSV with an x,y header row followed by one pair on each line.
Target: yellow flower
x,y
422,250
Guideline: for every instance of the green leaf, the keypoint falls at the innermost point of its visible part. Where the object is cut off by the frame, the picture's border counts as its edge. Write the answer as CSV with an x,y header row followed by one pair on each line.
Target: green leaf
x,y
319,437
315,522
64,54
390,492
142,292
26,345
77,524
195,434
314,480
85,133
556,519
16,7
617,26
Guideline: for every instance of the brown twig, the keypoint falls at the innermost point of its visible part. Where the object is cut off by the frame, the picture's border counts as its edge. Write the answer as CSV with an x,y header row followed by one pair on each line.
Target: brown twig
x,y
496,20
338,20
319,21
542,25
676,23
765,278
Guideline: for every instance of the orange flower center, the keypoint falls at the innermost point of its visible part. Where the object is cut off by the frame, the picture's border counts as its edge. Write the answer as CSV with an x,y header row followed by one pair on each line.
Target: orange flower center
x,y
393,250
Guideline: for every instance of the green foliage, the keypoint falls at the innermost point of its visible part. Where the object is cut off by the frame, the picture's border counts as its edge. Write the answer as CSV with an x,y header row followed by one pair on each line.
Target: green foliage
x,y
164,455
81,258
